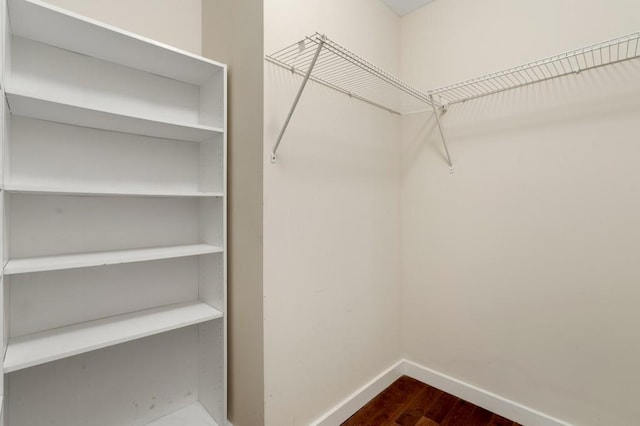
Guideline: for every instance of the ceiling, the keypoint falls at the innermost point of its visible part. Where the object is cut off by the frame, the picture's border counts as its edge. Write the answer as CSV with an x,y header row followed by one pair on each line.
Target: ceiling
x,y
403,7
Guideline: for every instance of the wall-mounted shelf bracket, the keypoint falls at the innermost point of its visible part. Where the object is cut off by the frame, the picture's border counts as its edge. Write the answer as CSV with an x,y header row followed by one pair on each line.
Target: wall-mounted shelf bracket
x,y
444,141
323,61
297,99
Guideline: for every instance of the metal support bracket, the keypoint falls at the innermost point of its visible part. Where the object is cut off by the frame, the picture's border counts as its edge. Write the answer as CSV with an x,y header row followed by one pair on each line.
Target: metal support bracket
x,y
444,141
296,100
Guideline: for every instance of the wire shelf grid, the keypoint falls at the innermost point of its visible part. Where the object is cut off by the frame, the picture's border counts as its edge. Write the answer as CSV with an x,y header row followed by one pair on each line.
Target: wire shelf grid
x,y
573,62
344,71
319,59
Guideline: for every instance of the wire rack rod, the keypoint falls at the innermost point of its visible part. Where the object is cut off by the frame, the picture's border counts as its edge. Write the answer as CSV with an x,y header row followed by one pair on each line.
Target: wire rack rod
x,y
342,70
597,55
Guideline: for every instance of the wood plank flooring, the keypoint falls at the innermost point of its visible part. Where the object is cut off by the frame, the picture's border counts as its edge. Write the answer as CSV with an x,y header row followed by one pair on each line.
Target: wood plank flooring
x,y
409,402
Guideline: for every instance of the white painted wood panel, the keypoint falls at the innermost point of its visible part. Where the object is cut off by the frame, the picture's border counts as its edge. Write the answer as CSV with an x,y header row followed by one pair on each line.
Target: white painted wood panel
x,y
6,137
46,346
212,172
104,191
210,275
4,116
191,415
48,154
4,294
46,300
83,260
212,368
46,225
40,70
213,101
6,35
211,230
81,115
127,384
4,332
62,29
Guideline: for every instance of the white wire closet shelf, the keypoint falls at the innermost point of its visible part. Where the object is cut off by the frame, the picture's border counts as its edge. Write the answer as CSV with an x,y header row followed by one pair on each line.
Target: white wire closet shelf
x,y
608,52
342,70
324,61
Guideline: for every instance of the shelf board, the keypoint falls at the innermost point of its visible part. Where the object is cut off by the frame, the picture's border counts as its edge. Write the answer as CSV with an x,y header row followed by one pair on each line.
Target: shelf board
x,y
96,191
192,415
39,348
79,115
58,27
85,260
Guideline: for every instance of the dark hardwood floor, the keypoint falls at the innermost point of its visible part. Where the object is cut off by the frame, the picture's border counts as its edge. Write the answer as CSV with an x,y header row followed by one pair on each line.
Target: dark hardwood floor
x,y
408,402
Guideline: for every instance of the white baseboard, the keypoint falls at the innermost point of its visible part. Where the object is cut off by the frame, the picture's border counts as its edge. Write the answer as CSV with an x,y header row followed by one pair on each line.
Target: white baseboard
x,y
485,399
359,398
490,401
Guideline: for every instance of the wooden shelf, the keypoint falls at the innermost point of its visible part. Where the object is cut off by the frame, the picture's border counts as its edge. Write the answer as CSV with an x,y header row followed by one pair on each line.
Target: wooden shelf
x,y
39,348
79,115
94,191
61,28
191,415
84,260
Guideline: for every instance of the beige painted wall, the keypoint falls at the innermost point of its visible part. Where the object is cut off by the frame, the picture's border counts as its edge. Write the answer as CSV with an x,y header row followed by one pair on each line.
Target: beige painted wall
x,y
233,33
174,22
331,219
520,271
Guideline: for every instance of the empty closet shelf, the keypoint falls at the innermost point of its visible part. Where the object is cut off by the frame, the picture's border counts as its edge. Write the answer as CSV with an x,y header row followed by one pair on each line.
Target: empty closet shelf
x,y
39,348
84,260
332,65
192,415
40,108
97,191
76,33
597,55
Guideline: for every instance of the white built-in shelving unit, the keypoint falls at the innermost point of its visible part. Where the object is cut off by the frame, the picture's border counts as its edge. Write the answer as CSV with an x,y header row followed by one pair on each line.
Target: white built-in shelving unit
x,y
114,226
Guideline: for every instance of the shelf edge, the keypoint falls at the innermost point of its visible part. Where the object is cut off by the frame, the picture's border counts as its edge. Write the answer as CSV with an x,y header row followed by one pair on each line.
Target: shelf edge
x,y
50,335
88,260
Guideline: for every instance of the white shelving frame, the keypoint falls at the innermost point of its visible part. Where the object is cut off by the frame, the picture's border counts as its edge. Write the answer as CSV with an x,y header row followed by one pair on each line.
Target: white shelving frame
x,y
113,191
50,345
115,257
107,192
43,108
